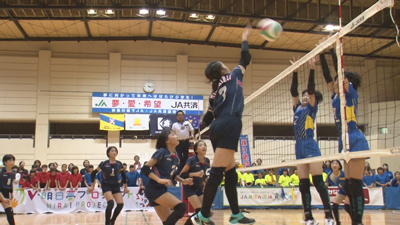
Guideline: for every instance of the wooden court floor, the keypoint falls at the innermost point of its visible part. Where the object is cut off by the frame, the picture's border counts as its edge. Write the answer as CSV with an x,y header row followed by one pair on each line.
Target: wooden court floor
x,y
263,217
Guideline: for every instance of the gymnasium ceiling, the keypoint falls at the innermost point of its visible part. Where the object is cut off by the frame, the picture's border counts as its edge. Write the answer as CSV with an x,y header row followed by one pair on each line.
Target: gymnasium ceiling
x,y
303,22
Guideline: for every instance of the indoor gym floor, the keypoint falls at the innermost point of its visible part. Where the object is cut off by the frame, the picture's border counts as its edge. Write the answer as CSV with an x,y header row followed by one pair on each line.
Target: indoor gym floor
x,y
263,217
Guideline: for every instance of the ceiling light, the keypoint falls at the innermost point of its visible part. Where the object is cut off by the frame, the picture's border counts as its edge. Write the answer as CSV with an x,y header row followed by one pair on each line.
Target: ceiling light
x,y
210,17
144,11
194,15
92,12
109,12
331,27
160,12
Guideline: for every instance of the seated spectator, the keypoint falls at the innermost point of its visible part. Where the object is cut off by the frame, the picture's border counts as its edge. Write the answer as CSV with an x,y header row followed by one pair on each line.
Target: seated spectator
x,y
294,179
132,176
42,178
396,180
284,179
381,180
368,167
25,183
368,180
327,167
270,178
63,178
87,180
52,181
33,179
75,179
260,181
387,172
256,172
248,178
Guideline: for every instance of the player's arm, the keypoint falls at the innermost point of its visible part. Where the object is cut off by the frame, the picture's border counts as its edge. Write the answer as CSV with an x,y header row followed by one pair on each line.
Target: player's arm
x,y
245,56
311,82
326,72
124,180
93,178
187,181
295,83
146,170
185,174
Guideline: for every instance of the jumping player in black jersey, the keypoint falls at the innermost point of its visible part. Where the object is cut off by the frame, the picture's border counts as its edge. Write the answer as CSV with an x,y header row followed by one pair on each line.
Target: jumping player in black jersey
x,y
6,186
226,106
109,184
196,167
162,170
354,169
305,113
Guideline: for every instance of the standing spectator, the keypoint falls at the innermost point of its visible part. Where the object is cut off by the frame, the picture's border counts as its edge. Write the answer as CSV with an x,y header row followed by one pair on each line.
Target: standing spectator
x,y
387,172
294,179
33,179
85,168
51,166
137,164
132,176
248,178
125,167
56,166
381,180
17,177
260,181
52,181
75,179
25,182
22,166
184,130
70,166
270,178
327,167
396,181
368,167
87,178
63,178
38,165
368,180
284,179
42,177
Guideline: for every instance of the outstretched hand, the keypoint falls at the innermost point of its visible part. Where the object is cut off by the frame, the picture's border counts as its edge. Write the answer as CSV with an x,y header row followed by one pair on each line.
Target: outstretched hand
x,y
246,32
294,61
312,62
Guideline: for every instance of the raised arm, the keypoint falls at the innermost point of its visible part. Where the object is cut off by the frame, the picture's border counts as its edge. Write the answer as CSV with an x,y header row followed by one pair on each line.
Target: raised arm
x,y
311,82
295,83
245,56
326,72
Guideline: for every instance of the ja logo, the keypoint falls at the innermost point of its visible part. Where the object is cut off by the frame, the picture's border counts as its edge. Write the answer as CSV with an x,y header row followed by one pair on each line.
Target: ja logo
x,y
102,103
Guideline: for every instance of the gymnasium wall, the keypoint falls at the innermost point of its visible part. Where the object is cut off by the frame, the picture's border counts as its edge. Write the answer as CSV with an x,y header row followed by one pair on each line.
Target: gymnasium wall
x,y
53,81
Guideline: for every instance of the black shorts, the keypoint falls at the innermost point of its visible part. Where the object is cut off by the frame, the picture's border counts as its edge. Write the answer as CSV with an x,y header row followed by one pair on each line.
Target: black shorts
x,y
114,188
225,132
192,190
6,193
153,192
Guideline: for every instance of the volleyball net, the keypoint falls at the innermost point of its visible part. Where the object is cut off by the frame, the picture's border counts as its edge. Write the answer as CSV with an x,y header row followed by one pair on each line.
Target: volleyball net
x,y
268,113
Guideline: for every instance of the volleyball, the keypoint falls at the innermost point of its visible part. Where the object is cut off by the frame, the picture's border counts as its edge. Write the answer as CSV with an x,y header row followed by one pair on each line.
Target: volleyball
x,y
270,30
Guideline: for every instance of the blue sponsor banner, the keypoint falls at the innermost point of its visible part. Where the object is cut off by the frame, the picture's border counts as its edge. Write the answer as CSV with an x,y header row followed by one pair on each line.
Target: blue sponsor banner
x,y
159,121
104,102
245,150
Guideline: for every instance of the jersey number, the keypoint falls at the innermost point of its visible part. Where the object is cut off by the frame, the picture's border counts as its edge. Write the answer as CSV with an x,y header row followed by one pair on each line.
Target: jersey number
x,y
222,92
112,172
9,181
295,120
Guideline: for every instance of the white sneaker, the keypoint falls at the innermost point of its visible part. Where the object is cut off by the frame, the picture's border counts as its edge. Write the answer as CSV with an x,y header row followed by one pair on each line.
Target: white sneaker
x,y
330,222
311,222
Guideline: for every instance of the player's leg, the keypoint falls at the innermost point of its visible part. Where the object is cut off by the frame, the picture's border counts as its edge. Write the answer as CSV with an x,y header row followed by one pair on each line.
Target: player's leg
x,y
335,207
120,204
319,183
347,206
8,209
304,187
354,174
110,205
195,201
170,201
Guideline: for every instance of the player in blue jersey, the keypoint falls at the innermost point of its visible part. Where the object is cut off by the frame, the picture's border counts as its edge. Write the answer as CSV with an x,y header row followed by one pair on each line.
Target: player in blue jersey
x,y
336,179
196,167
6,187
226,105
110,170
306,147
354,169
162,170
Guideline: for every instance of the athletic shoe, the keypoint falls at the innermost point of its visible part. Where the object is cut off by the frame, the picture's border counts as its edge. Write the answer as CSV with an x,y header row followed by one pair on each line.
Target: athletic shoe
x,y
198,219
311,222
240,219
330,222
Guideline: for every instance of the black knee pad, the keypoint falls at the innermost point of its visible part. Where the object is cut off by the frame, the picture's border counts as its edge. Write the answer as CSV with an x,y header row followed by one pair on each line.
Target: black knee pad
x,y
355,187
231,177
216,176
110,205
304,186
180,209
319,183
347,208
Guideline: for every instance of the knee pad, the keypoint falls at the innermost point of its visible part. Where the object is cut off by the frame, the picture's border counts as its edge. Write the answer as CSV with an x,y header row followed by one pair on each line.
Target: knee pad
x,y
216,176
319,183
180,209
355,187
110,204
231,177
304,186
347,208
